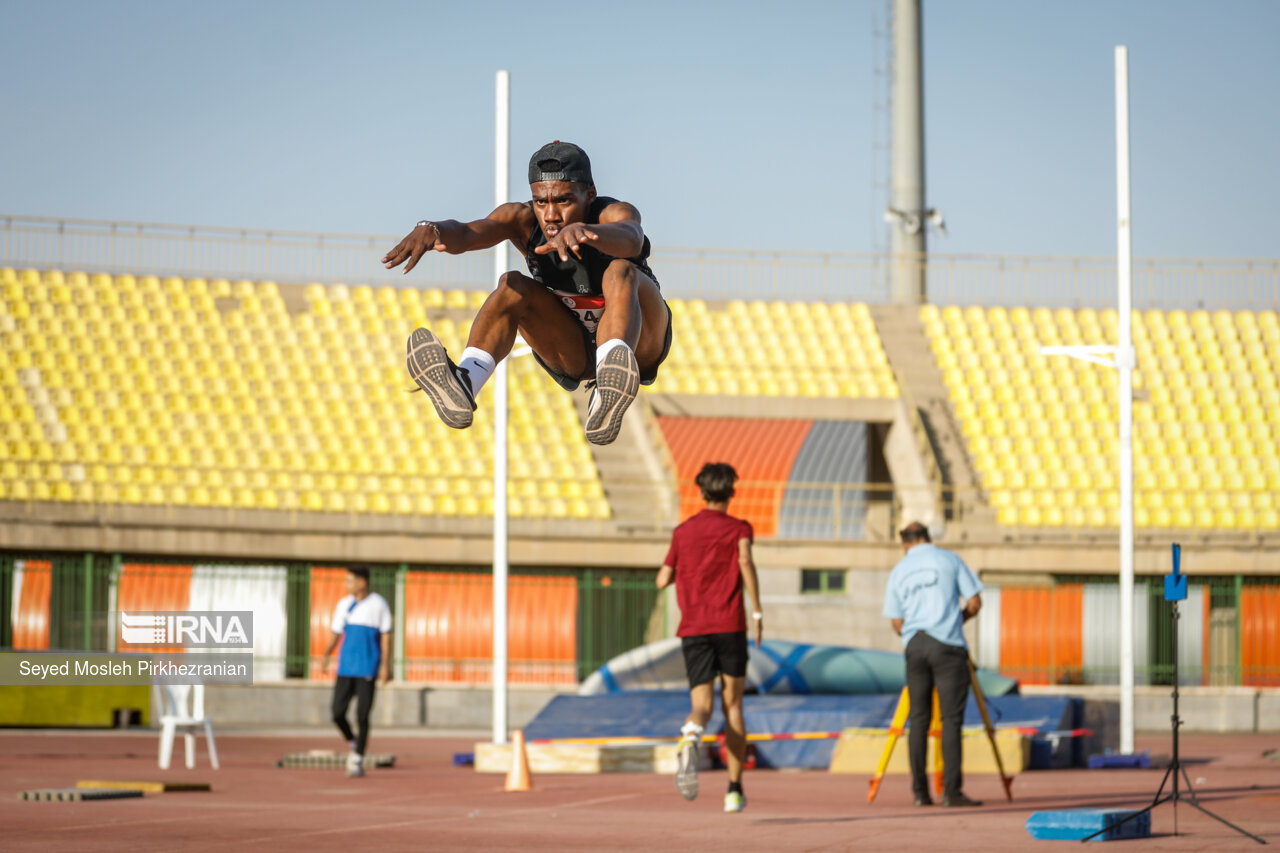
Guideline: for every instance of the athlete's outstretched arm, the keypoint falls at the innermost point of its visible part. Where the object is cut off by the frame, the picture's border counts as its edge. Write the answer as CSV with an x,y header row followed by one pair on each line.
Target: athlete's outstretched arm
x,y
507,222
618,234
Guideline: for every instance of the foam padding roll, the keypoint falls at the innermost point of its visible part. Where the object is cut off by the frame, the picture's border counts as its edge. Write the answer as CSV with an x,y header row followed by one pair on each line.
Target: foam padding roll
x,y
859,751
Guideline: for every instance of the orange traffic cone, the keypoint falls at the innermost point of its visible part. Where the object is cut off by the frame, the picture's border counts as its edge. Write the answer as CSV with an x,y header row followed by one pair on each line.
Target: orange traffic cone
x,y
518,778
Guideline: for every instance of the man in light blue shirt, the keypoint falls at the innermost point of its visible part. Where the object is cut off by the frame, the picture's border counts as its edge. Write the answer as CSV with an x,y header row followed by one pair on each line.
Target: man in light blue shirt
x,y
923,603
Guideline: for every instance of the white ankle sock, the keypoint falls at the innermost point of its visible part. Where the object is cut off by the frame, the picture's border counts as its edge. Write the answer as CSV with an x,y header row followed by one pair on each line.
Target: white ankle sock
x,y
691,728
479,366
608,347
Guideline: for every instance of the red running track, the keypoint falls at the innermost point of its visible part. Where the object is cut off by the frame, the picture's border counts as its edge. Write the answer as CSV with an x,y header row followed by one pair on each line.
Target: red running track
x,y
424,803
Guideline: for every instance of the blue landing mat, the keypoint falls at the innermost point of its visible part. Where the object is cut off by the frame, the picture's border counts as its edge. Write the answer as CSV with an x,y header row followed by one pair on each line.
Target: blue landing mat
x,y
660,713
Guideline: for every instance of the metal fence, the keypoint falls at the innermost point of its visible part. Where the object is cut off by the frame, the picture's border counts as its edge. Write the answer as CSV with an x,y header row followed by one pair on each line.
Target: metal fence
x,y
716,274
442,615
566,623
1066,632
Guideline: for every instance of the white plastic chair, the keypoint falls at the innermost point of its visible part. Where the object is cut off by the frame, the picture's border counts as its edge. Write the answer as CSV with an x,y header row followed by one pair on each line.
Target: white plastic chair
x,y
184,709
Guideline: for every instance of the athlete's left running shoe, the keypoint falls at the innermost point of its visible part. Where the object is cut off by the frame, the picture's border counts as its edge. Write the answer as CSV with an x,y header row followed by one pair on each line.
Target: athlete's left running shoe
x,y
687,767
734,802
355,765
448,385
617,383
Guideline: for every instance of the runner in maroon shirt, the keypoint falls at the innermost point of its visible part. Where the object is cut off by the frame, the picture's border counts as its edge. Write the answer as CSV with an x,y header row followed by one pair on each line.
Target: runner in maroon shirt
x,y
710,563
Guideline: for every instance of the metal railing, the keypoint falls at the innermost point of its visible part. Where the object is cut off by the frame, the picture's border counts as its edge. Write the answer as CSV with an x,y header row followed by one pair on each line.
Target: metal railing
x,y
713,274
801,509
1033,512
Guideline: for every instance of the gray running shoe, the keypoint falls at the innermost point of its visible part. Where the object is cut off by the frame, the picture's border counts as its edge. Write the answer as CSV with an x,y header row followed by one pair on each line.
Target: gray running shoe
x,y
448,385
355,765
687,768
617,383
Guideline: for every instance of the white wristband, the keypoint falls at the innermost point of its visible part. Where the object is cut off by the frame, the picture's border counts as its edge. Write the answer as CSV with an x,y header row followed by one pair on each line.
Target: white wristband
x,y
757,615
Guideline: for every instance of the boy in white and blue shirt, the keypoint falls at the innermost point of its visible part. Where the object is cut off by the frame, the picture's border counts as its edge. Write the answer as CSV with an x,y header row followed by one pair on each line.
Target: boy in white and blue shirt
x,y
362,623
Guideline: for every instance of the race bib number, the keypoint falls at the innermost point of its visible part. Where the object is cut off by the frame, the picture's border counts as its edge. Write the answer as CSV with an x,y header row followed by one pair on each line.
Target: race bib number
x,y
587,308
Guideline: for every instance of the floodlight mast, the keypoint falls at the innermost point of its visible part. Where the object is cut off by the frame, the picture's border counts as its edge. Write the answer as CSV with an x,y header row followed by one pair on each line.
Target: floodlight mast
x,y
1122,358
906,201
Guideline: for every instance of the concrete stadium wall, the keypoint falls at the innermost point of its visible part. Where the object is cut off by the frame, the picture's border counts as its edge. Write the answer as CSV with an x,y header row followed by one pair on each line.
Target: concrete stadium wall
x,y
398,705
1202,709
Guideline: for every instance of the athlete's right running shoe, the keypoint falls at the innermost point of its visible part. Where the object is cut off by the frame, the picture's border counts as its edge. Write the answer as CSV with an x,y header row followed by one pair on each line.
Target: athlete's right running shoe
x,y
687,767
355,765
617,383
734,802
448,385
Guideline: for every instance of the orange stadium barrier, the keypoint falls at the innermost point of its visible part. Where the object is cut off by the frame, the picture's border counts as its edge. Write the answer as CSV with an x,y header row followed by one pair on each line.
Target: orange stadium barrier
x,y
1041,639
449,628
1260,636
31,619
152,587
760,450
328,586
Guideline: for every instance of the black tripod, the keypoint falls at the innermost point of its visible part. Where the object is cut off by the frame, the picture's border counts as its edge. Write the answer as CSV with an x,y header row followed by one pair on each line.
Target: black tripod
x,y
1175,589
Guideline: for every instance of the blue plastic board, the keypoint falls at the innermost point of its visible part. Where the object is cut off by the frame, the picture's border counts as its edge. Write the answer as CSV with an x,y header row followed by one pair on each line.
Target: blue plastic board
x,y
1141,760
1077,824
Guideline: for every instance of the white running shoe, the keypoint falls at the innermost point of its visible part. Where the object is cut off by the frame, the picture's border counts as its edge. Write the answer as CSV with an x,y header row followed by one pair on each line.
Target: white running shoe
x,y
617,383
448,385
734,802
687,767
355,765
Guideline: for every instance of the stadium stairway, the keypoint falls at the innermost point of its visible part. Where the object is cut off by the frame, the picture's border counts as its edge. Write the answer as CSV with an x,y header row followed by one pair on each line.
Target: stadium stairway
x,y
907,348
636,471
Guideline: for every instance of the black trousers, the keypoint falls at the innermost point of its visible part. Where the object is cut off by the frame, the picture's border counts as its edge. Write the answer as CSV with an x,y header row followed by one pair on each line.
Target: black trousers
x,y
931,664
344,689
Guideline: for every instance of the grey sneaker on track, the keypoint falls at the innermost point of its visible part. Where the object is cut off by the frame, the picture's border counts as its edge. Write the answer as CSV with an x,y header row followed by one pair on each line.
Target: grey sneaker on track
x,y
617,383
448,385
687,768
355,765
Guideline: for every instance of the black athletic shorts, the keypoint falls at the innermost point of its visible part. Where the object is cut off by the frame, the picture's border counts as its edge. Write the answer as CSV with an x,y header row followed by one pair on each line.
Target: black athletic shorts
x,y
707,655
569,383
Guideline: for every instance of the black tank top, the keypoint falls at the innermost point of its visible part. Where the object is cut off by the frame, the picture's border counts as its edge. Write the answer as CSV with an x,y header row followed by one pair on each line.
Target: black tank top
x,y
574,275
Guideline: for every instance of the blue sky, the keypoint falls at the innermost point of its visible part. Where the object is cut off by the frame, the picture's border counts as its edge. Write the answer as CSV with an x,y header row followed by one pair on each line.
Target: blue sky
x,y
736,125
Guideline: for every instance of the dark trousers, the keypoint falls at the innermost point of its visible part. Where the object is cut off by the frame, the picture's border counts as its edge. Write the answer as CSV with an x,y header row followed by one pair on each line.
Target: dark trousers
x,y
343,690
931,664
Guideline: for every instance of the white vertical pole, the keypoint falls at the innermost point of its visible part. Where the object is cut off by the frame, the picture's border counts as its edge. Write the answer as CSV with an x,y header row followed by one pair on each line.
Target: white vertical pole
x,y
1125,362
501,193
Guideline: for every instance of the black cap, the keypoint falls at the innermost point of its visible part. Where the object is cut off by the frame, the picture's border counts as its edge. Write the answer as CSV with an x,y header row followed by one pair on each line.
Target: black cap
x,y
560,161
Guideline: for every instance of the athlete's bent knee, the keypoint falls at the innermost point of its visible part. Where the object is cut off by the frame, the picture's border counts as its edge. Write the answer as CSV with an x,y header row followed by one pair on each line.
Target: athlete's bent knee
x,y
516,282
620,272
